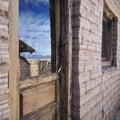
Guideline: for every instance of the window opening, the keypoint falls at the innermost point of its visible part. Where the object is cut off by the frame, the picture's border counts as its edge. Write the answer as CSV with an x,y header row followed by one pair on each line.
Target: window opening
x,y
106,38
109,41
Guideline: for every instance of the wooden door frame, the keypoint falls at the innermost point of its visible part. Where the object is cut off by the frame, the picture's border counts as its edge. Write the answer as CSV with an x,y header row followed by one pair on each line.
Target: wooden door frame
x,y
14,71
64,43
65,59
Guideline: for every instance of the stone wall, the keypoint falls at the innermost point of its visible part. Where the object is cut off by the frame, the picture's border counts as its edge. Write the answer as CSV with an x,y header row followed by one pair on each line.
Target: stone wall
x,y
24,69
4,58
35,67
95,94
40,67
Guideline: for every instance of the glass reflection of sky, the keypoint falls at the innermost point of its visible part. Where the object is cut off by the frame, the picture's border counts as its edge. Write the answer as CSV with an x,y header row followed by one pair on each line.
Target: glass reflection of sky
x,y
34,25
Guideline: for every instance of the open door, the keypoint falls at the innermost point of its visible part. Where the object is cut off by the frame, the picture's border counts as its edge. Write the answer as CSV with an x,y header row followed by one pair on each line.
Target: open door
x,y
38,98
41,96
39,79
34,95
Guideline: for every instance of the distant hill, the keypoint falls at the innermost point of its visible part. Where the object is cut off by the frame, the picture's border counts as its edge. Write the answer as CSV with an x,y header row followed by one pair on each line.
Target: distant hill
x,y
36,56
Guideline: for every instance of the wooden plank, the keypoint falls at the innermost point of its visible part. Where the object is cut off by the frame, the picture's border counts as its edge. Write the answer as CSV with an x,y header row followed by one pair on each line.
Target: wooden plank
x,y
14,60
65,58
55,44
38,80
37,97
108,12
69,59
44,113
53,35
57,16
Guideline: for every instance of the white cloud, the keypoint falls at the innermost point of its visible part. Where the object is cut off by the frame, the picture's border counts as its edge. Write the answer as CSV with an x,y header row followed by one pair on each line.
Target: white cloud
x,y
45,1
35,30
37,1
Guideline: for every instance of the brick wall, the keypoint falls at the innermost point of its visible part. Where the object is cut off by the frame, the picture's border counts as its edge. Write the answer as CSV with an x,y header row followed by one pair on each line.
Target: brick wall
x,y
95,94
4,56
34,68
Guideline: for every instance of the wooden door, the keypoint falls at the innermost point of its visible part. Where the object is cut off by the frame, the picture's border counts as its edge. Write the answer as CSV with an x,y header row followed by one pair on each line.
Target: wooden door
x,y
39,96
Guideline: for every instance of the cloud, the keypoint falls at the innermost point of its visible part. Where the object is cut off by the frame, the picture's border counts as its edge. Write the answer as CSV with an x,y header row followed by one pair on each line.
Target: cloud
x,y
37,1
45,1
34,28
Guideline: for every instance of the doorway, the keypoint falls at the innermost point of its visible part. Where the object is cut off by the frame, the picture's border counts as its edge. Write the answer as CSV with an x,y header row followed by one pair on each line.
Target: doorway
x,y
38,97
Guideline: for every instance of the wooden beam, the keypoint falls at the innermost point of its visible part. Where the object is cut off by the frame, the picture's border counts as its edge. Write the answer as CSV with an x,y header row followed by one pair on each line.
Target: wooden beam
x,y
69,59
108,12
14,60
57,16
37,81
65,58
55,44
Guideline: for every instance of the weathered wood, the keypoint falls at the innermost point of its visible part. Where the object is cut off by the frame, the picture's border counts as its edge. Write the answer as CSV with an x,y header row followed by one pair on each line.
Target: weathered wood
x,y
45,113
14,60
55,41
108,12
38,80
57,16
53,35
105,63
65,59
63,37
37,97
69,59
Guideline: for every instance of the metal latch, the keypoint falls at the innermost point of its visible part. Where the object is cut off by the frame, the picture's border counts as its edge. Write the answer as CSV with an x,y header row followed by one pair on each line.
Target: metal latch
x,y
59,70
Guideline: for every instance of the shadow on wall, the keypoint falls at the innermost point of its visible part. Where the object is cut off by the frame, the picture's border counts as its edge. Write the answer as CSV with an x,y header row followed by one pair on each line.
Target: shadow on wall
x,y
75,61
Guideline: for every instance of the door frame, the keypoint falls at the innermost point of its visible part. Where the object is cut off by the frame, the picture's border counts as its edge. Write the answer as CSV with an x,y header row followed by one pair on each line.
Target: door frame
x,y
65,59
64,43
14,71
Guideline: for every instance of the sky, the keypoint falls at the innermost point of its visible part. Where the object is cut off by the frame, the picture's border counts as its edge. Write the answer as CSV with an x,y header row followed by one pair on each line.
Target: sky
x,y
34,25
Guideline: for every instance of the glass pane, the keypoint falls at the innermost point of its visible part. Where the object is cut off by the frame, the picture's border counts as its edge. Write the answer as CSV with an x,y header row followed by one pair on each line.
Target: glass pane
x,y
34,38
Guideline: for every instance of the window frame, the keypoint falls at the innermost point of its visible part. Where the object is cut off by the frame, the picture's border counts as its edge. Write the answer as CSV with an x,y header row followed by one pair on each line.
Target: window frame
x,y
110,60
106,61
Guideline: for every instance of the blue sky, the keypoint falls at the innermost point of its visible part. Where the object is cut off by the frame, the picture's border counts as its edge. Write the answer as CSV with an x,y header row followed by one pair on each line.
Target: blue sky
x,y
34,25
